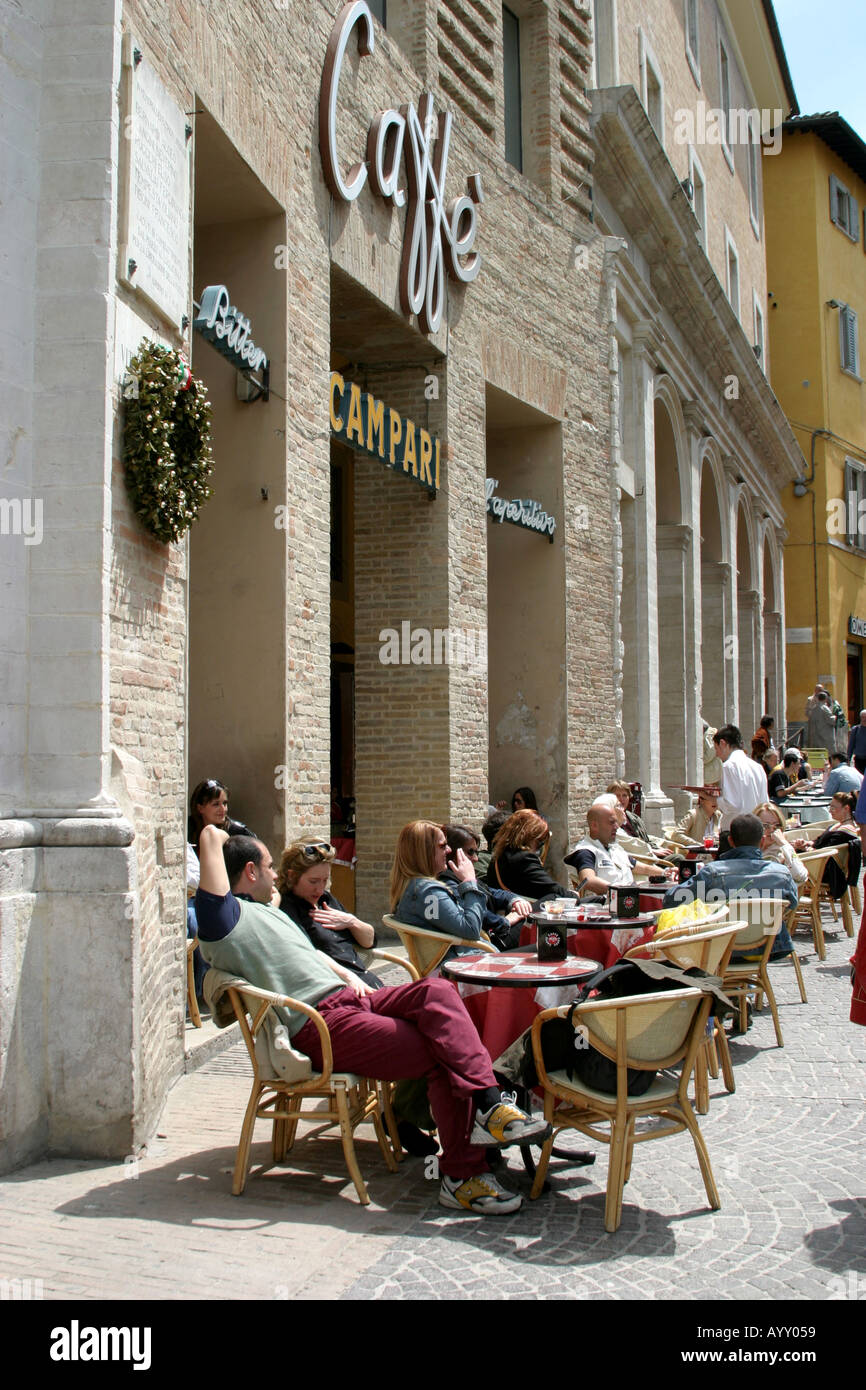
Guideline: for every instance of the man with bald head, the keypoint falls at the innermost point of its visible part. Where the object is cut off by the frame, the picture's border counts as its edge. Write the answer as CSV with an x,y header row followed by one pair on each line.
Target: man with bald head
x,y
597,858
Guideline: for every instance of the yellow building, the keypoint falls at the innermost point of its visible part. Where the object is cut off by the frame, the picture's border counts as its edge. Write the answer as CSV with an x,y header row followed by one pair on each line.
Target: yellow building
x,y
815,191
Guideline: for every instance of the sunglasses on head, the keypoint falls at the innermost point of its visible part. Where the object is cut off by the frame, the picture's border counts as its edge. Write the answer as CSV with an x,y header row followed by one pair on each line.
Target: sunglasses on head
x,y
318,850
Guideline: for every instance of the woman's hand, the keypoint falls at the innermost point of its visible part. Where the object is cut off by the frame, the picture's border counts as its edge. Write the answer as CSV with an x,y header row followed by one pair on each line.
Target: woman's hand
x,y
521,907
334,920
462,867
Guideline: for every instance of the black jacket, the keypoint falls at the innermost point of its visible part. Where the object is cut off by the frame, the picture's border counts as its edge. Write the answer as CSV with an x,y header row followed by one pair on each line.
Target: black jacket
x,y
523,873
339,945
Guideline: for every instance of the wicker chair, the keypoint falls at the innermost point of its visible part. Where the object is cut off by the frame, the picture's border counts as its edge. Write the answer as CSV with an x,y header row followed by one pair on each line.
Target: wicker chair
x,y
350,1099
648,1032
191,1001
708,950
763,923
809,907
427,949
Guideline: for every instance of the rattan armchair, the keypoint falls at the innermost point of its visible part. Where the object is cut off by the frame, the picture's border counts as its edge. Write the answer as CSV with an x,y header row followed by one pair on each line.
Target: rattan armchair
x,y
427,949
645,1031
349,1099
710,951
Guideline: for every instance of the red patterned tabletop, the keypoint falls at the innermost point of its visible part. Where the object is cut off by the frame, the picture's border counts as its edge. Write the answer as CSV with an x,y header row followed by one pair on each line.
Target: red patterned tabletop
x,y
519,969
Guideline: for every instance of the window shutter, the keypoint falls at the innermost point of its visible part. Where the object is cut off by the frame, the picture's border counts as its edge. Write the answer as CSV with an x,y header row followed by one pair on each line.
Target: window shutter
x,y
834,200
853,218
848,339
850,500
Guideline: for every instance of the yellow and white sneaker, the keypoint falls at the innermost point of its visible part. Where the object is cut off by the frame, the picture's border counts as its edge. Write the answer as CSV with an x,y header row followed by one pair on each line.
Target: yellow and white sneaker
x,y
483,1194
506,1124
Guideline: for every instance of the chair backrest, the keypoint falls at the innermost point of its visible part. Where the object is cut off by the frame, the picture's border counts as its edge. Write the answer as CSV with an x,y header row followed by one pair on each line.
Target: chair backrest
x,y
251,1006
760,920
815,861
426,949
704,950
643,1031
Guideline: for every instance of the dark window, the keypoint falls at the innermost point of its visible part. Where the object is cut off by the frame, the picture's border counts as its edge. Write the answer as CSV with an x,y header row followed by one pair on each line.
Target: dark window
x,y
378,9
511,73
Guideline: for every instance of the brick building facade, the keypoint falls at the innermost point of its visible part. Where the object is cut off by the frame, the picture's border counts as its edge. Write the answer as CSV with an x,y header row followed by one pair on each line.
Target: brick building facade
x,y
140,668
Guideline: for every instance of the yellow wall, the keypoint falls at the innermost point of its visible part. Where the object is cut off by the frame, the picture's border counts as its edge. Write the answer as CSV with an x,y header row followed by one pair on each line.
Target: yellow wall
x,y
811,261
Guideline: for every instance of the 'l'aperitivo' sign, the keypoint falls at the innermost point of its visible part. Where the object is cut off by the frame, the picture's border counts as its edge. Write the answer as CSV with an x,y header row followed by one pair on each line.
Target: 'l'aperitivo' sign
x,y
371,427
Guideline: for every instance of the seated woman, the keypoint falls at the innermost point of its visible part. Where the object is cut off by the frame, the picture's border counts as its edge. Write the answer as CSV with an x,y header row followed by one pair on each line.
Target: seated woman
x,y
844,832
417,896
702,821
303,880
522,799
209,805
774,846
504,910
516,864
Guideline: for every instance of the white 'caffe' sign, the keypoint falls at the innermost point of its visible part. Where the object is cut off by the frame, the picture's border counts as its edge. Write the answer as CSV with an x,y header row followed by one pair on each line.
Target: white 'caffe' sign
x,y
437,238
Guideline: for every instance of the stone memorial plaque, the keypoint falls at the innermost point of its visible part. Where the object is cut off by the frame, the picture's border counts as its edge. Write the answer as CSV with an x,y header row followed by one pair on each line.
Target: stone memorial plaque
x,y
154,252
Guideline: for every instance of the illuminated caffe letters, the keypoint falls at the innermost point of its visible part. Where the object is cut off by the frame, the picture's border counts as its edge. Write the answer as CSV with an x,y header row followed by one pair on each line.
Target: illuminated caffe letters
x,y
437,238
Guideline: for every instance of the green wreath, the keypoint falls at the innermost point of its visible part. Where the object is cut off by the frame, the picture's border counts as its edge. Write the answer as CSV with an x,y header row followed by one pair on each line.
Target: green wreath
x,y
167,454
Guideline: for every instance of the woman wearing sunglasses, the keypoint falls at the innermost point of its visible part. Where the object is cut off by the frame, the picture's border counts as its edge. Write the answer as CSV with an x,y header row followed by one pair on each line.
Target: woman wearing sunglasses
x,y
303,879
774,846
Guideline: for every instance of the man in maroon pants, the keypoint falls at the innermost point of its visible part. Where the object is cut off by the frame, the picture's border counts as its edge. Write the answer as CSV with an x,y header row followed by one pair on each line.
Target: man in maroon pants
x,y
419,1029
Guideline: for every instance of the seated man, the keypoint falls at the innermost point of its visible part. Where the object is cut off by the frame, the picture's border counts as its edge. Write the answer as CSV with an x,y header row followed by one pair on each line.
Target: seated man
x,y
419,1029
786,781
599,861
741,871
841,777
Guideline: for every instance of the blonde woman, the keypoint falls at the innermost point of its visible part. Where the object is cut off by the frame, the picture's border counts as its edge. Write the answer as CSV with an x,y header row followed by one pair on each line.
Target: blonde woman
x,y
774,846
417,896
303,881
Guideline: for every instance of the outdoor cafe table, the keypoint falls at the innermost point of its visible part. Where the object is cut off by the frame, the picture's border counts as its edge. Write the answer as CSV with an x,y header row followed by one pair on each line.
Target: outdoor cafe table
x,y
809,809
503,999
504,992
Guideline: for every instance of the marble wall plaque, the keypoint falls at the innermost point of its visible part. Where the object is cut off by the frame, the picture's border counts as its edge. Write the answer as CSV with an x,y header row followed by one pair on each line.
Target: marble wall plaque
x,y
154,252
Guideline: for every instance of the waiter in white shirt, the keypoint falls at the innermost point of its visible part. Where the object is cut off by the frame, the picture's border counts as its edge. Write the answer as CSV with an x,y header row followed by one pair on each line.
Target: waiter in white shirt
x,y
744,781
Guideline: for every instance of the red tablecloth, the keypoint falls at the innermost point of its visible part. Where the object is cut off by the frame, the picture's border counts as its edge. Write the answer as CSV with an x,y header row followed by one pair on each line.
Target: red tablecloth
x,y
501,1014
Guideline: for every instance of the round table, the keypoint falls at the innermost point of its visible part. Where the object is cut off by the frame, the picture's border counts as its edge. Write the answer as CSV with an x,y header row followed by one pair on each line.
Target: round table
x,y
519,969
602,939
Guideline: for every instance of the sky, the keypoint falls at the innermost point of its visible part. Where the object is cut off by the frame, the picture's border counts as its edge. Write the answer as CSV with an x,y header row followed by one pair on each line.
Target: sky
x,y
825,43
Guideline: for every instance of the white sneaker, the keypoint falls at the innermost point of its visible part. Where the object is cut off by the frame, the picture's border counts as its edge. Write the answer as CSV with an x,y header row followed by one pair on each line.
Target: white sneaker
x,y
505,1124
483,1194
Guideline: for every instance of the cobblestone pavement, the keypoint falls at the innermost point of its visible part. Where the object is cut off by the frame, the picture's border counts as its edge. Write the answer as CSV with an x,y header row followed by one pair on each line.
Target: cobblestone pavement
x,y
787,1150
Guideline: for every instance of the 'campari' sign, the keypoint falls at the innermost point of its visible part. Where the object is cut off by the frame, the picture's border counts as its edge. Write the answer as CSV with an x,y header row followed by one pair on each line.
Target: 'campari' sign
x,y
406,163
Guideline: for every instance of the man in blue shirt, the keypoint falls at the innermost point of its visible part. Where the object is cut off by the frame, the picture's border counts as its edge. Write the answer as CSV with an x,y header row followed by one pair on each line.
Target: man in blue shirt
x,y
857,743
843,777
741,871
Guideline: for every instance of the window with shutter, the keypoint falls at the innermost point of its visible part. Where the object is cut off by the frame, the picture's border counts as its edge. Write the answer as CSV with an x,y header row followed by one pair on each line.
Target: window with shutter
x,y
691,28
855,504
849,347
844,209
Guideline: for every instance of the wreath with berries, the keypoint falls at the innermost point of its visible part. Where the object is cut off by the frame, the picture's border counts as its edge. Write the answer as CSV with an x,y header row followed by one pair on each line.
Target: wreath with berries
x,y
167,455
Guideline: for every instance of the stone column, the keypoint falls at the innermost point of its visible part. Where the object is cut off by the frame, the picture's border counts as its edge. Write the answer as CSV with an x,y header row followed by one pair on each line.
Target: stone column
x,y
658,807
693,600
676,672
748,604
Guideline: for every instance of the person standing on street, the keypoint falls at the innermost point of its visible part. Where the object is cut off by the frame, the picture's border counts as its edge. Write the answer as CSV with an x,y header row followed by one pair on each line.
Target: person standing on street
x,y
857,744
744,782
